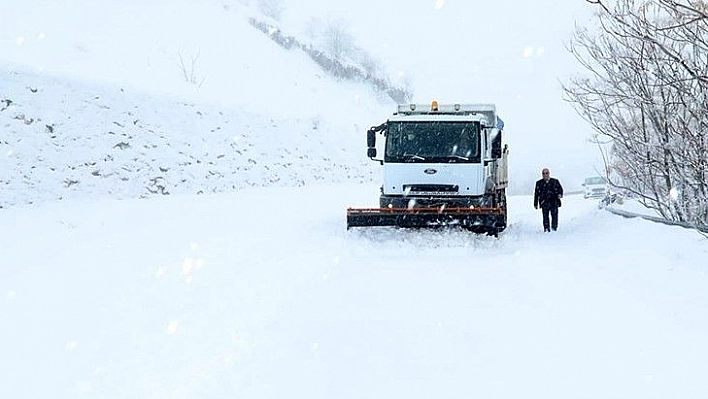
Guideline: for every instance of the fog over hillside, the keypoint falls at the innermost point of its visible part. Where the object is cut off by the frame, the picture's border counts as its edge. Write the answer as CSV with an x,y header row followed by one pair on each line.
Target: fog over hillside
x,y
206,102
129,136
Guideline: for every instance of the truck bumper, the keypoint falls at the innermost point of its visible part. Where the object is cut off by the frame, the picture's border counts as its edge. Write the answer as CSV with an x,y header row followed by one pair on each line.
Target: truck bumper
x,y
481,220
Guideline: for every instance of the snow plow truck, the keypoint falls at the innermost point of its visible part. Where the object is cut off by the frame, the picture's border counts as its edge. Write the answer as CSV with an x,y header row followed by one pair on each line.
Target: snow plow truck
x,y
443,165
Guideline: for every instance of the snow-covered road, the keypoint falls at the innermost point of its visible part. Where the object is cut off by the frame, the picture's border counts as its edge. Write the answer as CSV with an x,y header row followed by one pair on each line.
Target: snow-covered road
x,y
265,294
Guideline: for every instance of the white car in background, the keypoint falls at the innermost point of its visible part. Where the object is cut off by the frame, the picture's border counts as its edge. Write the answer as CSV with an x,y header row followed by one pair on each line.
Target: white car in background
x,y
595,187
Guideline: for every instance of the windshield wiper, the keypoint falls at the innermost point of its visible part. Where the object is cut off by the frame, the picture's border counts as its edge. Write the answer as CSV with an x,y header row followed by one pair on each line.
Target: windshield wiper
x,y
458,157
411,157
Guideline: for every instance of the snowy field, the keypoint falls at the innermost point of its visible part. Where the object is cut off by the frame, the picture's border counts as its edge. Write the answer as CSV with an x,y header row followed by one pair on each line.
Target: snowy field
x,y
265,294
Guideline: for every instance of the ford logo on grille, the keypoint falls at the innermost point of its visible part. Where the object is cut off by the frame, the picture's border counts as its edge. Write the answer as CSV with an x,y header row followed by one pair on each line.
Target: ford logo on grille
x,y
430,171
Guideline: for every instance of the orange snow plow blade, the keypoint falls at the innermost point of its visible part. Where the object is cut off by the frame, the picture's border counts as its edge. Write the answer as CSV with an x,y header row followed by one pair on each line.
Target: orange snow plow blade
x,y
492,220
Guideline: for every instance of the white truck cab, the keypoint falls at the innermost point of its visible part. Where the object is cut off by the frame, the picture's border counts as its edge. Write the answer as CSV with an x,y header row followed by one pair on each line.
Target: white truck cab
x,y
448,158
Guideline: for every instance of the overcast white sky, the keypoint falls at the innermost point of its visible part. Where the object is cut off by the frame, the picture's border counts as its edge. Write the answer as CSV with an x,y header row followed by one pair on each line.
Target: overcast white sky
x,y
507,52
254,288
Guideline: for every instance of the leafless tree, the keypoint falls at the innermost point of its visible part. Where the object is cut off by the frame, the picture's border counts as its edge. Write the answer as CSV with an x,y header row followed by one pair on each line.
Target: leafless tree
x,y
646,92
189,70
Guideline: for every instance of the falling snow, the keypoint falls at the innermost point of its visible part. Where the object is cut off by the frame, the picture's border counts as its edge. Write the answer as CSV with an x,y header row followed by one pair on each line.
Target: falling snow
x,y
255,288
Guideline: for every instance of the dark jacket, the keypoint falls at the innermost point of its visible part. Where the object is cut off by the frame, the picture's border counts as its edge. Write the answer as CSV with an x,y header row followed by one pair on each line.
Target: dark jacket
x,y
547,192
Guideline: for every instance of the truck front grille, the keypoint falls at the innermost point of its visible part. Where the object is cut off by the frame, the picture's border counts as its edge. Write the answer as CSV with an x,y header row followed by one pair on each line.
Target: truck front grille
x,y
430,189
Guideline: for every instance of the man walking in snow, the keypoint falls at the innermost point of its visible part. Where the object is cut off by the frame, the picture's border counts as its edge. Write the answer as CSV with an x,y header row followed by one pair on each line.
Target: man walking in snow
x,y
547,195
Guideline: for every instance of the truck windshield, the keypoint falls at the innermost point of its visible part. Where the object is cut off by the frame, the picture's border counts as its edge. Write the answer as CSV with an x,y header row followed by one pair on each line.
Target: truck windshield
x,y
432,142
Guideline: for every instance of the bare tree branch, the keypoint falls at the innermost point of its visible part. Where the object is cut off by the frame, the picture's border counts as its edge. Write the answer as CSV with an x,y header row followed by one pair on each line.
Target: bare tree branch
x,y
647,92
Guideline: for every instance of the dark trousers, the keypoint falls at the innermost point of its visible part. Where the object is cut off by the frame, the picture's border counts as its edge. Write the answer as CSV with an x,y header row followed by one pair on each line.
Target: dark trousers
x,y
553,212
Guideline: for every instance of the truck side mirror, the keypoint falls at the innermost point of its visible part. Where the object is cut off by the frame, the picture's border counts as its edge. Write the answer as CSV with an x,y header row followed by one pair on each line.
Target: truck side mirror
x,y
497,146
371,140
371,143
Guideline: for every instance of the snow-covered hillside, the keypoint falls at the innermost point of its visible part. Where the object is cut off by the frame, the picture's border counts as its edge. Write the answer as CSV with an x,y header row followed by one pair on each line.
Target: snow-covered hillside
x,y
176,96
64,139
73,125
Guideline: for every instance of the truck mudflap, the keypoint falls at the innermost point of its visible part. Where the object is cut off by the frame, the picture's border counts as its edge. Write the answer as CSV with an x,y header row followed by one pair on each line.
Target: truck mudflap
x,y
482,220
